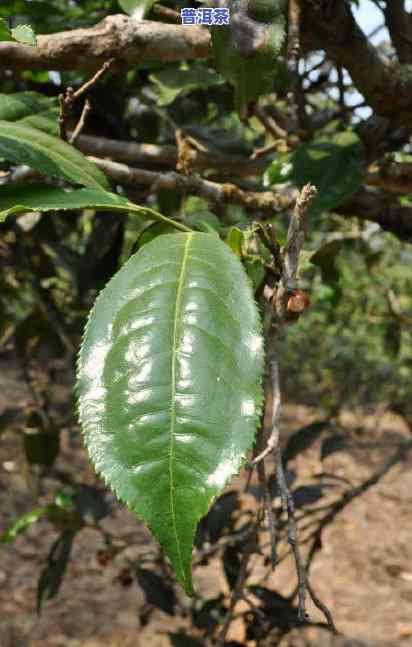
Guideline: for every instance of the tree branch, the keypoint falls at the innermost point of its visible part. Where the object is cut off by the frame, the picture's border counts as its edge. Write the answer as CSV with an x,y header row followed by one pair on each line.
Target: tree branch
x,y
381,208
399,24
265,201
166,156
386,86
392,176
126,40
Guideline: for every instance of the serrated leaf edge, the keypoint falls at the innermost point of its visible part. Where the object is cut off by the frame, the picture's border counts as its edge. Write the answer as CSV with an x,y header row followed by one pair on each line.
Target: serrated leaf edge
x,y
257,416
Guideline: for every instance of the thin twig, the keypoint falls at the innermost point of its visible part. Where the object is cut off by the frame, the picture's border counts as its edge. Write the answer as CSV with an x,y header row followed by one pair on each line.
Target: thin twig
x,y
65,101
265,150
265,201
70,96
289,508
322,607
295,238
269,123
267,500
81,123
88,84
273,440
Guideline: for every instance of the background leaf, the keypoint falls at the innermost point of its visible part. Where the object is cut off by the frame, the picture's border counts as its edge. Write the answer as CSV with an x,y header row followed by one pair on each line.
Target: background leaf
x,y
171,81
47,154
31,109
249,63
173,353
16,199
136,8
5,33
21,524
334,164
25,35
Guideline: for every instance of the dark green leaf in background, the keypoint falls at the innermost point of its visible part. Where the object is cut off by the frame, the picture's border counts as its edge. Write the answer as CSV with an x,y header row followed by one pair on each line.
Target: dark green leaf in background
x,y
248,61
393,337
172,82
31,109
169,383
5,33
334,164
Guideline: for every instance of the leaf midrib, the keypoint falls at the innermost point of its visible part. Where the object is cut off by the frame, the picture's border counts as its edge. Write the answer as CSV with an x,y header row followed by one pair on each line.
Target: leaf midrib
x,y
176,321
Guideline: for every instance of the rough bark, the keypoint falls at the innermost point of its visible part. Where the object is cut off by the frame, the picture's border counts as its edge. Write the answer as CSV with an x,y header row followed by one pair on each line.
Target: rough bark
x,y
127,41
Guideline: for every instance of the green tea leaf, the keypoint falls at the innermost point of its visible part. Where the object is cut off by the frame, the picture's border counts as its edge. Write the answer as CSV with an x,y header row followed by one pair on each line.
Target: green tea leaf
x,y
25,35
16,199
235,239
248,60
169,383
31,109
47,154
137,8
21,524
172,82
334,164
5,33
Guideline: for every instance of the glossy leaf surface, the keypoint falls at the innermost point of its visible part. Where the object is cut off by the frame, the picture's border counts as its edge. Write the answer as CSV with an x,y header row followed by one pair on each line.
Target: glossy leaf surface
x,y
47,154
17,199
169,383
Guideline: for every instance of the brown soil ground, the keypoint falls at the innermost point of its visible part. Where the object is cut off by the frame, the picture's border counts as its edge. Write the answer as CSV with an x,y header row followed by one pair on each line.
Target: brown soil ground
x,y
363,572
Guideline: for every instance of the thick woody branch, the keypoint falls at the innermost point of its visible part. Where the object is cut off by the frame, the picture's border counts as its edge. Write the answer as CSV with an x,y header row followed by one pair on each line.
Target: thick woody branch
x,y
381,208
266,201
399,24
386,86
393,177
126,40
166,156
